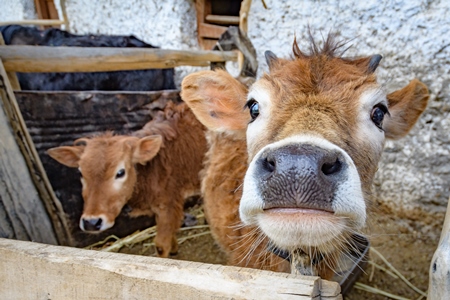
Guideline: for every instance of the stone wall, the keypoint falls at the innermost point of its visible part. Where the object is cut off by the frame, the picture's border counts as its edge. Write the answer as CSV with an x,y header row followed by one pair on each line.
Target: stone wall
x,y
413,37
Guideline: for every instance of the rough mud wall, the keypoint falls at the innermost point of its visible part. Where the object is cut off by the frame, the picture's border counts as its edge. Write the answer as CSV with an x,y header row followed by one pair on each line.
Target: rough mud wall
x,y
413,37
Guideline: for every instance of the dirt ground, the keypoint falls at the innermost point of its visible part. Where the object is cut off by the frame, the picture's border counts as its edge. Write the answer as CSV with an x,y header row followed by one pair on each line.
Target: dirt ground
x,y
406,244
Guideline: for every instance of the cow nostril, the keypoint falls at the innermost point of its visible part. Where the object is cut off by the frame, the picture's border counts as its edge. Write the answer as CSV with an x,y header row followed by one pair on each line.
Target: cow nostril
x,y
331,168
268,164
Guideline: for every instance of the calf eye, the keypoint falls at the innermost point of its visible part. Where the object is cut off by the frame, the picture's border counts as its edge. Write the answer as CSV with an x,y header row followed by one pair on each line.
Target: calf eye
x,y
120,173
377,115
254,108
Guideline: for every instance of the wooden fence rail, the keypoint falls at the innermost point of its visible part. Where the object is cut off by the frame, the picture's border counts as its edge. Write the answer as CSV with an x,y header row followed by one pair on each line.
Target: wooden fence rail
x,y
37,271
100,59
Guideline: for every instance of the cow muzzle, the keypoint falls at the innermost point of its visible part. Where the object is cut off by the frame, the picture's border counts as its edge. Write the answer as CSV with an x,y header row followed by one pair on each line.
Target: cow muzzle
x,y
302,191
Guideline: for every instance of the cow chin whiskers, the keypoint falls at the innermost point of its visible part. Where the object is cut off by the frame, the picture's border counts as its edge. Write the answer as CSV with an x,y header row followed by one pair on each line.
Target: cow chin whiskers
x,y
321,234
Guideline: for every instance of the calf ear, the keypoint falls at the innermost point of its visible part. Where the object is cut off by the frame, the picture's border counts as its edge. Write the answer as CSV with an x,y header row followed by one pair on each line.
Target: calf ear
x,y
217,100
146,149
67,155
405,107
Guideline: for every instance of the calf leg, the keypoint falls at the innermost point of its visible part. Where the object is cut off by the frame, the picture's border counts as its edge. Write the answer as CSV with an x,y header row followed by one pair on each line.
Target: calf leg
x,y
168,221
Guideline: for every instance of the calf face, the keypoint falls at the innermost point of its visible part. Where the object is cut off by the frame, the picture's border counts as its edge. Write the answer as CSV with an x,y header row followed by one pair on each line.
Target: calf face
x,y
315,130
108,174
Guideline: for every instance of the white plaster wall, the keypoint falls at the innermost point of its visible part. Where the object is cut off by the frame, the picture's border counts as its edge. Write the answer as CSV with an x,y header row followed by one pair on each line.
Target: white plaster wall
x,y
414,38
14,10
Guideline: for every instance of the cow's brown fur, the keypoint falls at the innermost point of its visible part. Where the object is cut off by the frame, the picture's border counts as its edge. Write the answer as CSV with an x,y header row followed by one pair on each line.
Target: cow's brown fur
x,y
157,185
312,93
223,174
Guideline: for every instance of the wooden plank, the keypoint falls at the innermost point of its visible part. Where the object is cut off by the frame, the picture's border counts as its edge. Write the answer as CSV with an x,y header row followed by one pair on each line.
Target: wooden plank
x,y
243,15
209,43
33,22
34,271
12,77
51,8
62,3
96,59
203,8
218,19
22,213
211,31
34,164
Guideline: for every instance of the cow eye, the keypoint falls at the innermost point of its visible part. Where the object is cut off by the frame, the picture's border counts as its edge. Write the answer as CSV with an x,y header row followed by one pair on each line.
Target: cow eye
x,y
377,115
253,105
120,173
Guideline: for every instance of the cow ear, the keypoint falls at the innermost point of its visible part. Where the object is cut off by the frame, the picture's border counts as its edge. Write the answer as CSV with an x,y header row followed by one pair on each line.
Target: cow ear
x,y
405,107
147,148
67,155
217,100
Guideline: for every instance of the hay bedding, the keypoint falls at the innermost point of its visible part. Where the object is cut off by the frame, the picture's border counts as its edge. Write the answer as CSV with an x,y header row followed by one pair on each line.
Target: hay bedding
x,y
398,266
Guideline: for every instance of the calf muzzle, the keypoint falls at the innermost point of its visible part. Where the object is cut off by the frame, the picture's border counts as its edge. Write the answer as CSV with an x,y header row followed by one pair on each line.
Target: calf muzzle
x,y
91,224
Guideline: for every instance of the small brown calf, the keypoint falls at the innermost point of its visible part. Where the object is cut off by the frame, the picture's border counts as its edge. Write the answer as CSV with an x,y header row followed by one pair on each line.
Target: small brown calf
x,y
304,142
152,171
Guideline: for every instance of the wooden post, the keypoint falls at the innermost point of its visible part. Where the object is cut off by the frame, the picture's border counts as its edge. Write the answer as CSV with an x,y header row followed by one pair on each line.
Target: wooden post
x,y
243,26
439,285
36,271
102,59
36,170
11,75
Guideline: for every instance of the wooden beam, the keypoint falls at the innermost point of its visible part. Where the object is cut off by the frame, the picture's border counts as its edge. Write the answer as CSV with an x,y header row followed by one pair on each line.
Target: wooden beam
x,y
227,20
22,214
211,31
203,8
62,3
243,15
12,77
34,164
31,270
96,59
33,22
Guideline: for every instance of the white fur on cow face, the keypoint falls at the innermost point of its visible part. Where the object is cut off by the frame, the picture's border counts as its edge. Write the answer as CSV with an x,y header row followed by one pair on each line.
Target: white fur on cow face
x,y
293,228
119,181
257,128
366,130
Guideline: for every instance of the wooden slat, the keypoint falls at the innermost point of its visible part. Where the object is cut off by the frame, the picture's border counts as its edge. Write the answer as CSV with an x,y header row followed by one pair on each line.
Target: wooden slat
x,y
218,19
211,31
34,164
32,270
22,213
203,8
12,77
209,43
96,59
33,22
64,14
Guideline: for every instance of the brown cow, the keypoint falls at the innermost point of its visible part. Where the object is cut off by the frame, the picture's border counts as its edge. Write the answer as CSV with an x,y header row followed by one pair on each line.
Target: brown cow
x,y
313,130
152,171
